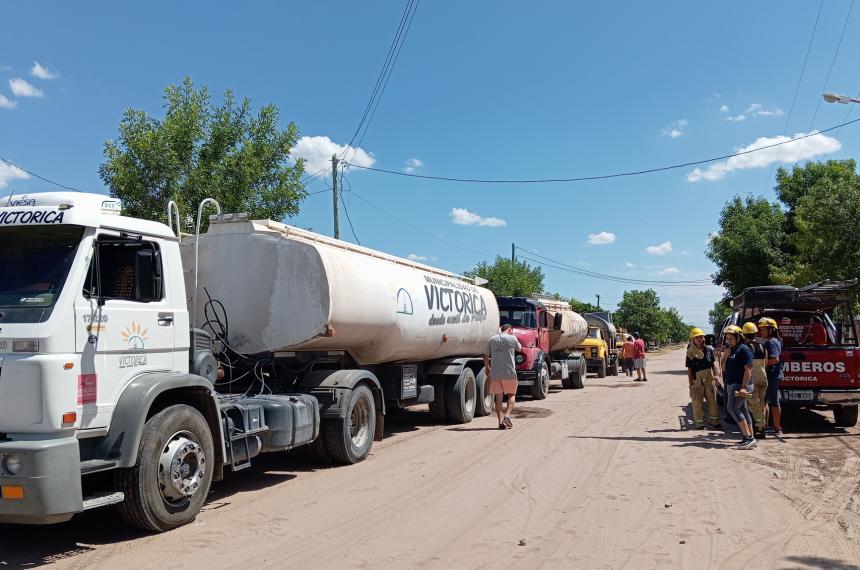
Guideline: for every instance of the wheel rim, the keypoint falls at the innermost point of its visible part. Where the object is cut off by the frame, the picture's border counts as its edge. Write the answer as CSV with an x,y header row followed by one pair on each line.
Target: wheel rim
x,y
544,379
181,467
359,423
471,397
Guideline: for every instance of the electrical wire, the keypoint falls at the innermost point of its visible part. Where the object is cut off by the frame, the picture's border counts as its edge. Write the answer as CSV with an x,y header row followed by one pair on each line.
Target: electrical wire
x,y
803,68
602,176
42,178
348,219
568,269
832,64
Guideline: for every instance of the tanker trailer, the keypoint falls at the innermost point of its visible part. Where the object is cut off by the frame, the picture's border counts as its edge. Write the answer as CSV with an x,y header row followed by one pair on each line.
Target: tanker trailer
x,y
600,347
325,316
549,332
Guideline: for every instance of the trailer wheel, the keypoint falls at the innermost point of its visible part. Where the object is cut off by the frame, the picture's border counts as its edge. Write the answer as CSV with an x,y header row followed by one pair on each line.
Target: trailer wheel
x,y
486,401
845,416
348,440
577,381
461,397
601,369
613,370
170,479
540,388
438,411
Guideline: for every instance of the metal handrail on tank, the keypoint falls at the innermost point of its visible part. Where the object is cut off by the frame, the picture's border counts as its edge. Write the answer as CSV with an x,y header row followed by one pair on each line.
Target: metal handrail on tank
x,y
202,205
173,212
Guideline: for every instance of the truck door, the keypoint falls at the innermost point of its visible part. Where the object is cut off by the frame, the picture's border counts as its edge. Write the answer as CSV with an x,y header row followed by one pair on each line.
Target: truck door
x,y
543,330
127,322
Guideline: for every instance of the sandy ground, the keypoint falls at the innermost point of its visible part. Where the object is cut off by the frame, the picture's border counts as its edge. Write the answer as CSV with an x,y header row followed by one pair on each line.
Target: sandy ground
x,y
606,477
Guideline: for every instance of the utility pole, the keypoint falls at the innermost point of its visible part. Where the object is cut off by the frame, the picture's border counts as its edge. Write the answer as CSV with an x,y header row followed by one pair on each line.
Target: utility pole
x,y
334,196
513,253
598,301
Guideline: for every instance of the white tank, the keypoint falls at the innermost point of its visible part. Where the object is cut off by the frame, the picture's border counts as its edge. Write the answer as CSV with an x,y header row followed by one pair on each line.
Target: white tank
x,y
573,331
286,289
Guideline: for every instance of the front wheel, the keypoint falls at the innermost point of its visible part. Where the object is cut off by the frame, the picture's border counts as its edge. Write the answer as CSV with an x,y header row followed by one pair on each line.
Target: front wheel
x,y
170,480
845,416
348,440
601,369
577,381
540,387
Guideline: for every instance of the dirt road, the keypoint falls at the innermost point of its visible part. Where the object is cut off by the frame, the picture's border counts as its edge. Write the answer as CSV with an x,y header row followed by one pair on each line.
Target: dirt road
x,y
606,477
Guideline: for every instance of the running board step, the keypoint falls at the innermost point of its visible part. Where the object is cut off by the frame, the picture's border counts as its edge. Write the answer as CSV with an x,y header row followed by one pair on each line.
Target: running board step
x,y
95,465
103,500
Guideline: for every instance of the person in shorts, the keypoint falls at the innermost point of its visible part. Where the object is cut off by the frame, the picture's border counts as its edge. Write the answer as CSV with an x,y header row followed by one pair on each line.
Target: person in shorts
x,y
639,358
627,355
501,369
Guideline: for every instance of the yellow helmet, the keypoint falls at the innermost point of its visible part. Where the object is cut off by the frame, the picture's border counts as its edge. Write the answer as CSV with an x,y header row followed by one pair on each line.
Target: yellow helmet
x,y
733,329
750,328
696,332
767,322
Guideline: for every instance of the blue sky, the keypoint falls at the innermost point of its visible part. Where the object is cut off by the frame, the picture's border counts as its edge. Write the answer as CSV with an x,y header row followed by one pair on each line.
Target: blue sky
x,y
481,89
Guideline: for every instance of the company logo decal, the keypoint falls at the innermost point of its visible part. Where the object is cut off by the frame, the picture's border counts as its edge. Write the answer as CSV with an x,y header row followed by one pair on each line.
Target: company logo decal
x,y
456,302
404,302
29,217
136,336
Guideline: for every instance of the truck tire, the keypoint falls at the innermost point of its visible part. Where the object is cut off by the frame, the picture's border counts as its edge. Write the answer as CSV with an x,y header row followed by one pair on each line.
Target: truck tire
x,y
486,401
438,411
845,416
540,388
348,440
170,479
613,370
601,369
461,397
578,379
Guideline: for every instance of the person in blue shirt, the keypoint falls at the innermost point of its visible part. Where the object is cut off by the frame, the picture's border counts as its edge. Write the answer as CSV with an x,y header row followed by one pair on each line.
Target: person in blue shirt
x,y
773,345
737,377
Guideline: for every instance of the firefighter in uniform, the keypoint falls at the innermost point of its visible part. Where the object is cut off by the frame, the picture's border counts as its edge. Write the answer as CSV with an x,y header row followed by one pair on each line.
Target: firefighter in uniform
x,y
759,378
701,367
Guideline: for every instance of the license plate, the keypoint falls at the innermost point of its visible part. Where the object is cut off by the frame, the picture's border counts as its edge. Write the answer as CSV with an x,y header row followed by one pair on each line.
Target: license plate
x,y
801,395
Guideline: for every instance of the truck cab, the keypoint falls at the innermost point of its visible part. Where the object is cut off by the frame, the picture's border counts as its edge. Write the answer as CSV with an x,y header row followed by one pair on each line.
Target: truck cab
x,y
820,344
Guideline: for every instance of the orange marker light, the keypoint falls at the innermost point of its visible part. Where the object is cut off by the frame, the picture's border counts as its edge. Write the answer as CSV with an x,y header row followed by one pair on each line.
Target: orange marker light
x,y
70,417
68,365
12,491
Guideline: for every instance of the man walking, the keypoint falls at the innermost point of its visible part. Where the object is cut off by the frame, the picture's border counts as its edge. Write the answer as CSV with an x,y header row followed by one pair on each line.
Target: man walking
x,y
639,358
501,370
627,355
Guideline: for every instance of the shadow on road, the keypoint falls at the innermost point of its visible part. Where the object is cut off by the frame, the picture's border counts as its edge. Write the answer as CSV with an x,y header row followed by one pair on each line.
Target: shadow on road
x,y
821,562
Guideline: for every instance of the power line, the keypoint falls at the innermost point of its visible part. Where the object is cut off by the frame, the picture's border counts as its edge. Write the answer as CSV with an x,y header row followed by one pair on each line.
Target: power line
x,y
348,219
803,67
627,282
42,178
832,64
602,176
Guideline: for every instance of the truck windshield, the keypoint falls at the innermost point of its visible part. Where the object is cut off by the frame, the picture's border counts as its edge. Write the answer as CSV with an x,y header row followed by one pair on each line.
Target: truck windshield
x,y
35,262
593,333
517,318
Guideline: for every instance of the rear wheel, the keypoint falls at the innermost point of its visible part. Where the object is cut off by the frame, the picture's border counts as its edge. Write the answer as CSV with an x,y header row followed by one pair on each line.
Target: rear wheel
x,y
578,378
613,370
170,480
601,369
461,397
348,440
845,416
485,403
540,388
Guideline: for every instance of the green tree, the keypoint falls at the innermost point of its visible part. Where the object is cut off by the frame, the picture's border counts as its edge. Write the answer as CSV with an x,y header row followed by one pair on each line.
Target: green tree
x,y
507,278
675,327
749,244
718,313
200,150
639,311
582,307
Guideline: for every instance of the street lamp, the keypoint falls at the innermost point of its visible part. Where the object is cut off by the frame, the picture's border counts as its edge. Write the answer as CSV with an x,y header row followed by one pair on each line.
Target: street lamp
x,y
835,98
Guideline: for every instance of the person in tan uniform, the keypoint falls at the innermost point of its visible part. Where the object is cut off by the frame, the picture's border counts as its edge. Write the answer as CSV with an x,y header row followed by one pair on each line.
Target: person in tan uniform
x,y
701,368
759,377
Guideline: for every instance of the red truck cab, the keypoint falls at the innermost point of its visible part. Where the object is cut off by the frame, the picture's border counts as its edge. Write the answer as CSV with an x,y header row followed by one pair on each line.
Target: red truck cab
x,y
820,345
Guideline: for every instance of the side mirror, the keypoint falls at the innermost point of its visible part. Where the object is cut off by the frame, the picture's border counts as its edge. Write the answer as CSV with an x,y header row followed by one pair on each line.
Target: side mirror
x,y
556,322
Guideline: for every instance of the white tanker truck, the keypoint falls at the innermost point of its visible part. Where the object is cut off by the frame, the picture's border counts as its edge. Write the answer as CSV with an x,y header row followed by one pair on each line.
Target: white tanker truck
x,y
137,364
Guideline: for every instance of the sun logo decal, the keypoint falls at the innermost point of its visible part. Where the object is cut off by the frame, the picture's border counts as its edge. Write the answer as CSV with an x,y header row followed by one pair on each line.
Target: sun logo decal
x,y
135,335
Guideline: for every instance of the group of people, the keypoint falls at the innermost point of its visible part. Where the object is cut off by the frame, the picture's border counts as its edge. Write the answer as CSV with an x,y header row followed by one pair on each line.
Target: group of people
x,y
633,357
750,370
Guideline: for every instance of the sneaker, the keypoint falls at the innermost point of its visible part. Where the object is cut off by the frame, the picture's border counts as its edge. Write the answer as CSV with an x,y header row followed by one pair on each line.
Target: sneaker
x,y
748,443
773,431
715,426
508,423
703,426
502,426
645,379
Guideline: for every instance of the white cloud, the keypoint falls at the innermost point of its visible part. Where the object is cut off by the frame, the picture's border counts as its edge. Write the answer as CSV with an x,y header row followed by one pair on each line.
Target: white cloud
x,y
675,129
6,68
6,103
463,217
21,88
788,153
724,108
630,265
416,257
602,238
412,165
661,249
753,108
317,153
670,271
9,173
42,72
736,118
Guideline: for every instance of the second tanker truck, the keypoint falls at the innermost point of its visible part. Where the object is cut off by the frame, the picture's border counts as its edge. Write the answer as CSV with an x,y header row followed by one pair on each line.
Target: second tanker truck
x,y
137,365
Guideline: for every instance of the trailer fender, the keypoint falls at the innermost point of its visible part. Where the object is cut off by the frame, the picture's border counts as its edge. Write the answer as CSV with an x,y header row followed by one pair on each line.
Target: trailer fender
x,y
145,396
339,384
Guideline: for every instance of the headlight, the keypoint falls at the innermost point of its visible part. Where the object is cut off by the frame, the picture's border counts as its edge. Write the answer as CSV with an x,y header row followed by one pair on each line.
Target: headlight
x,y
519,358
25,345
11,464
593,351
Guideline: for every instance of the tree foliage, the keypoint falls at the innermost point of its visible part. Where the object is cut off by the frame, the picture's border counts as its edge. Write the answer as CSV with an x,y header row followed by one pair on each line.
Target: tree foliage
x,y
200,150
582,307
718,314
508,278
640,311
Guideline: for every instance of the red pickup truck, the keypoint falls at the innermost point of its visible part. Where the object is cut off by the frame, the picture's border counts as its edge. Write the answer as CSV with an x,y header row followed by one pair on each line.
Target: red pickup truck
x,y
820,347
